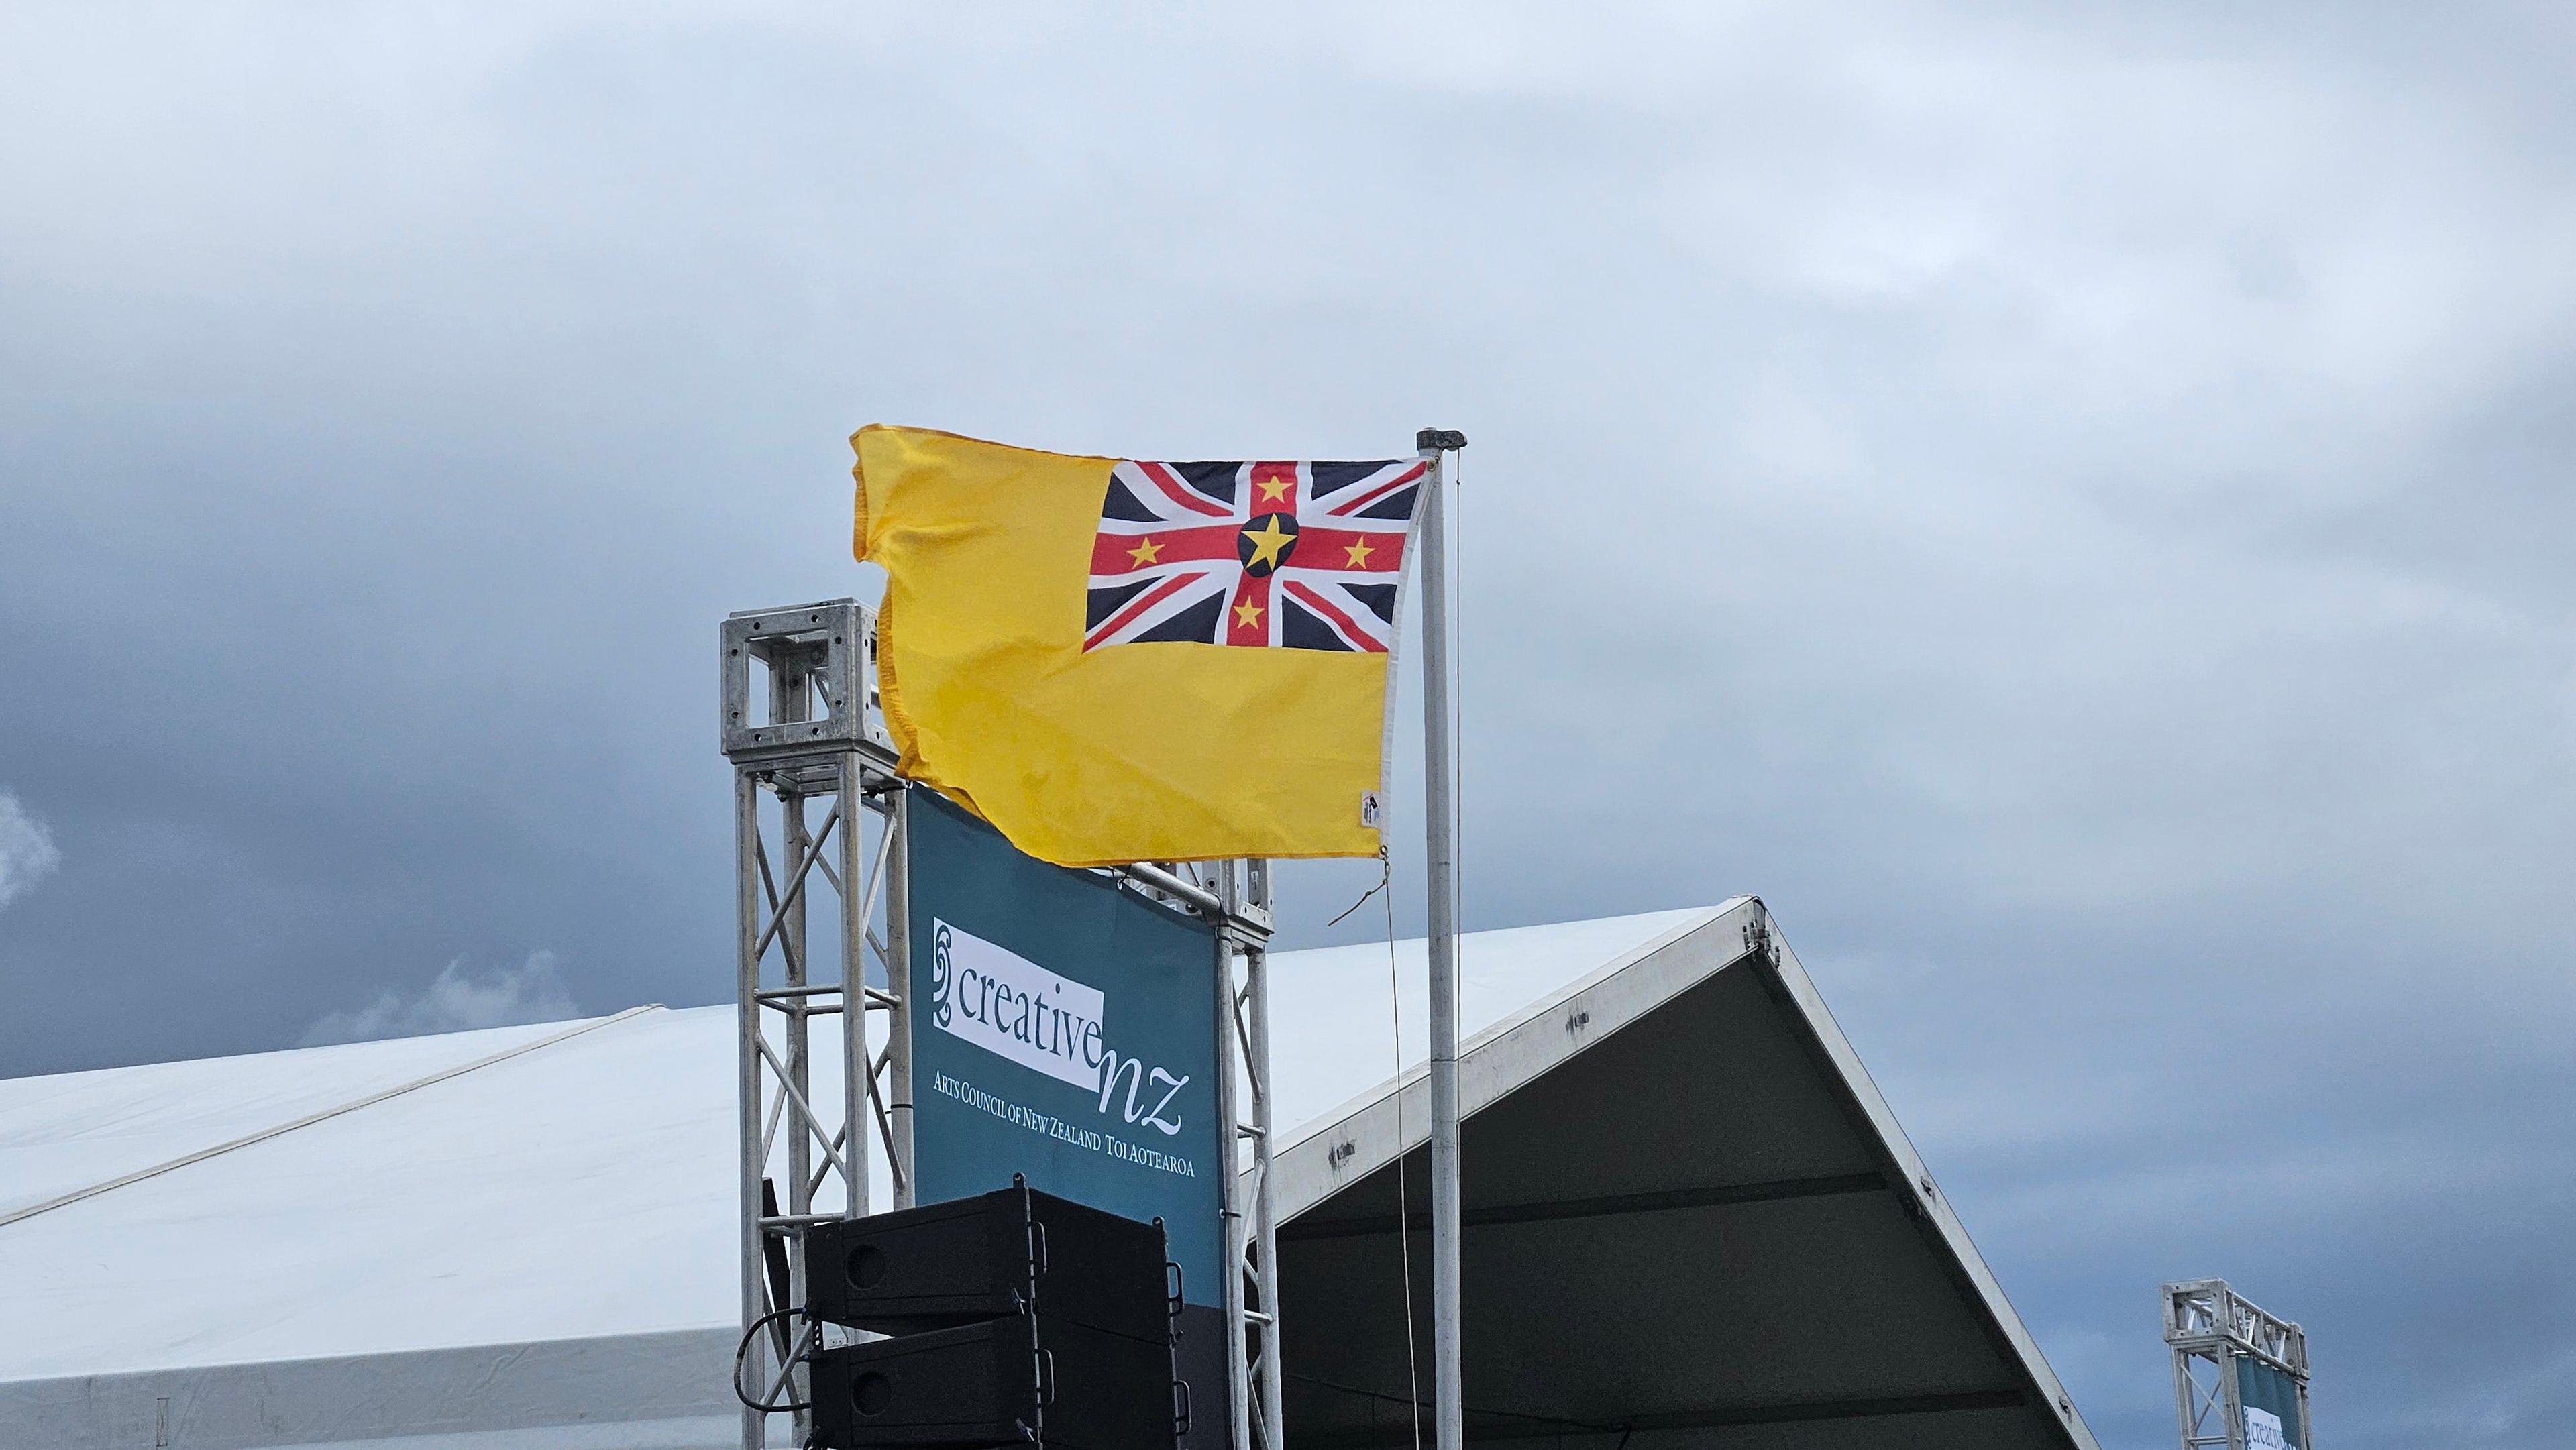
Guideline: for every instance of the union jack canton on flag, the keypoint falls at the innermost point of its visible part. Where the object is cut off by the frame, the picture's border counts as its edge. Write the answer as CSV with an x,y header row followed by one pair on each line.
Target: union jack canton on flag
x,y
1275,555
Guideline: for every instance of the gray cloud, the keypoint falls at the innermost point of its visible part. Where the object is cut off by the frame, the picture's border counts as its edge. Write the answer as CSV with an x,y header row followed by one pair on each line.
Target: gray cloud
x,y
454,1002
27,851
2068,505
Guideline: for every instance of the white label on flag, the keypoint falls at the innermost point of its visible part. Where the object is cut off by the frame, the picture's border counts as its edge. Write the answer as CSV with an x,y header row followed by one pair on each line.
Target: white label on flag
x,y
2263,1430
1008,1005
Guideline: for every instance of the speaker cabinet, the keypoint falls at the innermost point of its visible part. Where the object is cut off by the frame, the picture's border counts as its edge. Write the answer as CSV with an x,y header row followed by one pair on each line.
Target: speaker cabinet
x,y
1011,1381
1004,1253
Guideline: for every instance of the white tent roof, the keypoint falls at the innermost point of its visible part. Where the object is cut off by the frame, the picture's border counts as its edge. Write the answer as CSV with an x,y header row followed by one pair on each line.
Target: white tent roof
x,y
524,1237
581,1187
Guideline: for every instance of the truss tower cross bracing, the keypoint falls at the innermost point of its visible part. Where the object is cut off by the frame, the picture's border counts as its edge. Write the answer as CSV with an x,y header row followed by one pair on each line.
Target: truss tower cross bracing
x,y
810,737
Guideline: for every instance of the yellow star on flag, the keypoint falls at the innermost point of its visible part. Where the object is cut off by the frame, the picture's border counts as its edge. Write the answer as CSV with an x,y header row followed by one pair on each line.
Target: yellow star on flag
x,y
1145,552
1247,614
1359,553
1268,542
1274,489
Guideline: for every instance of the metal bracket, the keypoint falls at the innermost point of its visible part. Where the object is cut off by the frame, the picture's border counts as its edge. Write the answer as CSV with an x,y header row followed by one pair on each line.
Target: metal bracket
x,y
1243,895
1757,934
832,646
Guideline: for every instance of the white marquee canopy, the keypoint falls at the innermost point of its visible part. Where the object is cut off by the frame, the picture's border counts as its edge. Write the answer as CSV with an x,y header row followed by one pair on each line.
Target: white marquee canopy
x,y
524,1238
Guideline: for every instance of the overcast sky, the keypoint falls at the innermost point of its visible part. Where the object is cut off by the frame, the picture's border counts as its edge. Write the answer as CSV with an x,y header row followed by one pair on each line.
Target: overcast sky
x,y
2069,504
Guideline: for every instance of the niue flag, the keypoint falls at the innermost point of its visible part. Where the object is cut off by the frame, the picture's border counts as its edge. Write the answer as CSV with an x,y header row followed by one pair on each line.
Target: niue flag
x,y
1119,660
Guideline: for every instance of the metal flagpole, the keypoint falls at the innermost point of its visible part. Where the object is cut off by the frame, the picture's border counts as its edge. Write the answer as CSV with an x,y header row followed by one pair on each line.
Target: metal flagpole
x,y
1447,1374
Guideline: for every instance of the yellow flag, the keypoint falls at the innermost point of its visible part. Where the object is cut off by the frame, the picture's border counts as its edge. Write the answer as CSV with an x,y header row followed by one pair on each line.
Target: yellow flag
x,y
1115,660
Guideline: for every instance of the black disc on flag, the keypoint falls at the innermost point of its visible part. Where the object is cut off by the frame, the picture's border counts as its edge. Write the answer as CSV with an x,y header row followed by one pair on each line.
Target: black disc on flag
x,y
1266,543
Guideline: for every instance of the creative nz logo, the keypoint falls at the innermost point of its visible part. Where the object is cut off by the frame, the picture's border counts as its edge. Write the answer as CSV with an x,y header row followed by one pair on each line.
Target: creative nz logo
x,y
1010,1006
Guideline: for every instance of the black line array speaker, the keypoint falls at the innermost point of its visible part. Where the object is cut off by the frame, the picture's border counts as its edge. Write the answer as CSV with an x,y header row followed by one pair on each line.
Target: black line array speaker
x,y
1000,1253
1014,1381
1019,1319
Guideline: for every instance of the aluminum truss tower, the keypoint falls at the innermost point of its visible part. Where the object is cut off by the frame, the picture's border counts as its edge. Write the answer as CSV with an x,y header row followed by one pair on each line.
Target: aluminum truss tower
x,y
803,737
1243,1085
805,733
2214,1330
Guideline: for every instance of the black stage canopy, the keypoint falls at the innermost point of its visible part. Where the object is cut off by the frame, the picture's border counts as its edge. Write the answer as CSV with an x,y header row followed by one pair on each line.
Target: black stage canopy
x,y
1690,1221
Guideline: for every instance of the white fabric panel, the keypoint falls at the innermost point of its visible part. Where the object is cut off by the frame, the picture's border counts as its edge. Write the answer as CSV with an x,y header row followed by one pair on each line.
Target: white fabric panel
x,y
584,1189
664,1391
1332,1018
65,1133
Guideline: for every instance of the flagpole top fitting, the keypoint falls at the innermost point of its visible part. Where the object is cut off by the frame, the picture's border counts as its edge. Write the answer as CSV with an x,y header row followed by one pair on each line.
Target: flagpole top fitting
x,y
1445,439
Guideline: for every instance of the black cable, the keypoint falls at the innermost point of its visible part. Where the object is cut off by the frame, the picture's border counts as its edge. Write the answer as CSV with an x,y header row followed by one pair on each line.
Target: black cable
x,y
744,1348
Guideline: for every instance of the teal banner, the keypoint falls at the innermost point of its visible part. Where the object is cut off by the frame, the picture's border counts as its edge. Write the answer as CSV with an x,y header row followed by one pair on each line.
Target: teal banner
x,y
2271,1400
1065,1029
